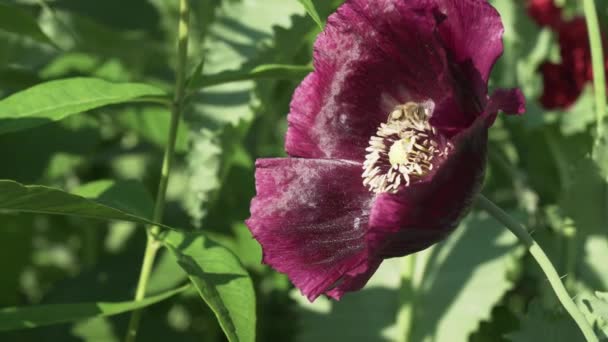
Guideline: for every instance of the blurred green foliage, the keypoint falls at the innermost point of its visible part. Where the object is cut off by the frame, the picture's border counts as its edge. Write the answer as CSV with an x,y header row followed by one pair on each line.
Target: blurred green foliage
x,y
477,285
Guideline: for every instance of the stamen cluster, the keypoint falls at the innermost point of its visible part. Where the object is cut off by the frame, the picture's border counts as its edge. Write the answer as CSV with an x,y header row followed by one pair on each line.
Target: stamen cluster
x,y
404,149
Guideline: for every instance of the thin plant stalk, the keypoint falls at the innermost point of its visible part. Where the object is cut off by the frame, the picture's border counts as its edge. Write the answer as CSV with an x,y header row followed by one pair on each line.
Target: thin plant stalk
x,y
153,244
544,263
405,316
597,61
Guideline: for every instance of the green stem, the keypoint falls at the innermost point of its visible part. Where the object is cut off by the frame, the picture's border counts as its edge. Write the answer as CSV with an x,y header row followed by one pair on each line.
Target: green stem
x,y
153,244
569,234
544,263
405,316
597,59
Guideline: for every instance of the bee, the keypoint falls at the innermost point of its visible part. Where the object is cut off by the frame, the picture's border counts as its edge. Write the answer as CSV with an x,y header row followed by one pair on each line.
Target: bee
x,y
411,110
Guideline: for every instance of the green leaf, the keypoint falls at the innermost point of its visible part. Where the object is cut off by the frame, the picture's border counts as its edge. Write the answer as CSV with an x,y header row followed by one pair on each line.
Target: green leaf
x,y
312,11
37,316
593,271
221,281
455,294
18,21
128,196
595,309
221,115
267,71
458,283
587,186
580,115
540,325
152,123
55,100
16,197
364,316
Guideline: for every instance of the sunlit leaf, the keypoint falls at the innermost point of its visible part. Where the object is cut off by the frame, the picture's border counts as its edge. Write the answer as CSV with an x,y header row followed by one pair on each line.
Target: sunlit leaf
x,y
37,316
268,71
455,284
128,196
18,21
55,100
222,114
221,281
16,197
540,325
364,316
312,11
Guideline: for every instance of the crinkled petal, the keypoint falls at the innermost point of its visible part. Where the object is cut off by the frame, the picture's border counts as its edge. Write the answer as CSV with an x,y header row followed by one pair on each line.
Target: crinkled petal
x,y
472,30
372,56
508,101
424,213
310,216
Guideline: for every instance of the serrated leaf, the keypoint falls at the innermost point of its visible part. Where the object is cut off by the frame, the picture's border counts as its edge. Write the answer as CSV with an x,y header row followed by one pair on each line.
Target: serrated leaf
x,y
457,283
222,114
55,100
43,315
312,12
363,316
17,21
539,325
16,197
267,71
221,281
460,283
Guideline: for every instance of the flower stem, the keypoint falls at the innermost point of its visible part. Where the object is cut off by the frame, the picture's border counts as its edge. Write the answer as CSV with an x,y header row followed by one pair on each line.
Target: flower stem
x,y
544,263
153,244
597,59
405,316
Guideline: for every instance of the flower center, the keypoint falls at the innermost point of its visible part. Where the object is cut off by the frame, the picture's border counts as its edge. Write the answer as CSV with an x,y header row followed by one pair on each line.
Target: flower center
x,y
404,150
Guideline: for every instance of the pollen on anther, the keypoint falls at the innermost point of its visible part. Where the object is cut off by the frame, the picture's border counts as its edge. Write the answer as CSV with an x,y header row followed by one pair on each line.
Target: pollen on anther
x,y
404,149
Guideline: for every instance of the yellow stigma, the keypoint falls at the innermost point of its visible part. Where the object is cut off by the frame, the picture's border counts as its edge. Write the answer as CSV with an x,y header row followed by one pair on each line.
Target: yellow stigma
x,y
399,152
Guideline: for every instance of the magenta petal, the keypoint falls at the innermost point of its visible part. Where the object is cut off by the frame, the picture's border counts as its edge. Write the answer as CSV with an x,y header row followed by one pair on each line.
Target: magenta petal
x,y
510,101
372,56
424,213
310,216
472,30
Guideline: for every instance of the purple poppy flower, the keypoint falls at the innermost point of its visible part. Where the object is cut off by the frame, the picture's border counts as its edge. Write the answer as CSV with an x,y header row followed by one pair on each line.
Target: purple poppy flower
x,y
387,139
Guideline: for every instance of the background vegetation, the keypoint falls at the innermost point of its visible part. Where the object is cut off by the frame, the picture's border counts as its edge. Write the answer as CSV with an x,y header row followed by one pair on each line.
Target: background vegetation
x,y
479,285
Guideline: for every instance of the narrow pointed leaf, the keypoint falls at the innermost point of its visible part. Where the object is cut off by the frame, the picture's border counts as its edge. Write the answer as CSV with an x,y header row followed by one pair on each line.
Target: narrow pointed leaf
x,y
221,281
17,21
16,197
37,316
55,100
312,11
266,71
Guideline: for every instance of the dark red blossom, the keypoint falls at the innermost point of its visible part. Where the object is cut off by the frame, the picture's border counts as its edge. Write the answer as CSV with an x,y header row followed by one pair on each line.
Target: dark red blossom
x,y
564,82
387,140
544,12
